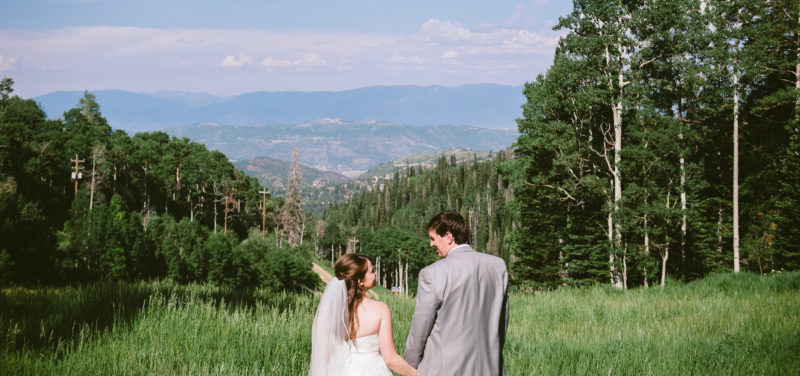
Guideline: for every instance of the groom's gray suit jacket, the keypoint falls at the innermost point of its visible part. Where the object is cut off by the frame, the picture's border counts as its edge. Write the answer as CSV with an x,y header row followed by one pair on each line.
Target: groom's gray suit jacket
x,y
461,316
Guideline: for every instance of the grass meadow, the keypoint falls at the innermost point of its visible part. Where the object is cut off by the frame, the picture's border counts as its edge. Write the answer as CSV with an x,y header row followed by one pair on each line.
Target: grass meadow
x,y
723,325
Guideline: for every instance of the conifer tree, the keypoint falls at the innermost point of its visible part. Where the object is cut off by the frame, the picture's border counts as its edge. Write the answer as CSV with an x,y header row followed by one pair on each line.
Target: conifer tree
x,y
292,216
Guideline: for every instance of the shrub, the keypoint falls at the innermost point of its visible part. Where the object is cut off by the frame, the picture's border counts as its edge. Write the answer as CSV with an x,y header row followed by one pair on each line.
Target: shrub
x,y
262,264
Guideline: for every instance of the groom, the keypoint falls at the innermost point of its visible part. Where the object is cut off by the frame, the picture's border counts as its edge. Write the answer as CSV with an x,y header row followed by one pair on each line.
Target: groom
x,y
461,315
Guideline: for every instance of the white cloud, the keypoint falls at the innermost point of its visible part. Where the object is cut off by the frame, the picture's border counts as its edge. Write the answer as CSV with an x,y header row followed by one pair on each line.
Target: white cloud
x,y
450,54
446,33
272,63
7,63
312,60
445,30
148,59
231,61
307,61
397,59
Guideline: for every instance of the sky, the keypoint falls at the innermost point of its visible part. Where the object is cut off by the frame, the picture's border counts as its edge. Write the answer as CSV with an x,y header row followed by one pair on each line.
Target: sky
x,y
239,46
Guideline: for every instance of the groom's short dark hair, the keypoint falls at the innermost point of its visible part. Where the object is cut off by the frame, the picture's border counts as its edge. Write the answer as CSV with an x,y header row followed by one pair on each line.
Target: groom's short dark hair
x,y
452,222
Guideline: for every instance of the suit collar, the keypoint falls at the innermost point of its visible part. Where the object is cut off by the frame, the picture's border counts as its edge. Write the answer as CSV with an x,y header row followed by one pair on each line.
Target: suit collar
x,y
460,248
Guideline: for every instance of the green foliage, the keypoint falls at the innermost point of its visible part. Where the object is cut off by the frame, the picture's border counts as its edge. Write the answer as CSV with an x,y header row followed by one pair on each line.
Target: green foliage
x,y
105,243
80,203
257,262
221,259
393,246
660,77
388,219
6,267
724,324
667,331
787,216
32,187
285,269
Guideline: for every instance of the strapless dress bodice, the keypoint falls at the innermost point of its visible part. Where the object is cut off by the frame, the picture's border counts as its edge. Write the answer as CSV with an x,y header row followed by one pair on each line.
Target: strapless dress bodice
x,y
365,357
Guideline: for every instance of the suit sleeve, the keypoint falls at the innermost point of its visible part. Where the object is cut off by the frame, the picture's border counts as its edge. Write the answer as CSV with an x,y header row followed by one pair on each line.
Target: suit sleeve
x,y
504,316
424,317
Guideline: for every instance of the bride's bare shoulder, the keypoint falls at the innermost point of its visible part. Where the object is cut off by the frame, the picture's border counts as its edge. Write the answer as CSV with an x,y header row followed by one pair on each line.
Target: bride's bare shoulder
x,y
378,307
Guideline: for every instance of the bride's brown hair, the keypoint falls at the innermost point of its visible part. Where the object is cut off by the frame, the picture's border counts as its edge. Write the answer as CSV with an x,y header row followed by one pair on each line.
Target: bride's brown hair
x,y
352,268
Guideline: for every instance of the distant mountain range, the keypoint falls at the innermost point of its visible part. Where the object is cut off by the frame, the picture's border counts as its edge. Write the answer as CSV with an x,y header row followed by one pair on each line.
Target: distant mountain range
x,y
483,105
348,148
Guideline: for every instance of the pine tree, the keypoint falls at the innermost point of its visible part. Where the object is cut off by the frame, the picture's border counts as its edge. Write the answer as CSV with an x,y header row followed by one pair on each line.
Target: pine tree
x,y
292,216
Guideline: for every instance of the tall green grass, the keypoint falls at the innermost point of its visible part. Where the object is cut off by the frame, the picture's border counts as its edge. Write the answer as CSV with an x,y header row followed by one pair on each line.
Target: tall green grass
x,y
723,325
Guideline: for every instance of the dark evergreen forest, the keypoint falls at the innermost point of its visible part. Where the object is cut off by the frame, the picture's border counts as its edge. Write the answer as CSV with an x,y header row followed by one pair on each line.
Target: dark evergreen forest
x,y
80,203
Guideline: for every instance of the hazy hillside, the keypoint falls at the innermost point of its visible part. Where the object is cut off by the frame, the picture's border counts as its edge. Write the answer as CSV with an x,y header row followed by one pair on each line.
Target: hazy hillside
x,y
273,173
486,105
343,147
425,161
317,199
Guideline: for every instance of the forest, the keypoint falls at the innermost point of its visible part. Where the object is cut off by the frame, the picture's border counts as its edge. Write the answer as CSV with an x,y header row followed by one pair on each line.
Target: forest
x,y
662,142
82,203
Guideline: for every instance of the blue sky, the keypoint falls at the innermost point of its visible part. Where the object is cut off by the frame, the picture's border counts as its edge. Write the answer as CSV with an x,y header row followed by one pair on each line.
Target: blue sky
x,y
234,47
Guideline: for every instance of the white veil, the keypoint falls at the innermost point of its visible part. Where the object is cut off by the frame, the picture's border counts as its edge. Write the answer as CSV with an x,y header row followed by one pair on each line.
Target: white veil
x,y
330,353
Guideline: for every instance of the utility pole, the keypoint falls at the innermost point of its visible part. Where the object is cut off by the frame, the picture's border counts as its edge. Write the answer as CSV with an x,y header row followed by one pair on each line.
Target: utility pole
x,y
263,214
76,175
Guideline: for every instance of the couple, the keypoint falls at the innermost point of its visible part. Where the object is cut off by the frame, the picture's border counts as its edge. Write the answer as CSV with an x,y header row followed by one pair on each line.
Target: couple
x,y
459,323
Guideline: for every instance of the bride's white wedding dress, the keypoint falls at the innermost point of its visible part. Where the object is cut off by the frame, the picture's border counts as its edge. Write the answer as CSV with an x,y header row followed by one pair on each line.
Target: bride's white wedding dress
x,y
365,358
332,353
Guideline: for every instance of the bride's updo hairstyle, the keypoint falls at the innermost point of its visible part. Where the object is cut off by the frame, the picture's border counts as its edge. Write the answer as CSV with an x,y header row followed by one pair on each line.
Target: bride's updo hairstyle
x,y
352,268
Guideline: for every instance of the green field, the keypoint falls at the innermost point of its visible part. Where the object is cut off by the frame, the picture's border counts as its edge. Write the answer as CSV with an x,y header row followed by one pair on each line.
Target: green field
x,y
723,325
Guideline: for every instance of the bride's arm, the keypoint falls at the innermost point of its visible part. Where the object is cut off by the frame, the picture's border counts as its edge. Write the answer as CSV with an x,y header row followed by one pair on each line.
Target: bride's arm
x,y
386,343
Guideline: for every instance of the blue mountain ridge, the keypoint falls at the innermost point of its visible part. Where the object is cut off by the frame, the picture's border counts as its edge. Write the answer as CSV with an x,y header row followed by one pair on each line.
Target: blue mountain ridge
x,y
481,105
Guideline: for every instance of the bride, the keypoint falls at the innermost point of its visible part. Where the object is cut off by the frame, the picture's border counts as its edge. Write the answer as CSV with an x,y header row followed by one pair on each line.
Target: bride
x,y
352,334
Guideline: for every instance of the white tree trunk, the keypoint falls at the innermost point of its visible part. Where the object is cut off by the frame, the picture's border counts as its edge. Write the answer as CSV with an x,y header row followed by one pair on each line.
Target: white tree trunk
x,y
98,158
617,161
611,260
646,246
215,208
664,258
683,205
383,277
91,186
625,266
378,271
405,278
665,254
399,279
735,170
797,71
302,230
618,181
719,229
